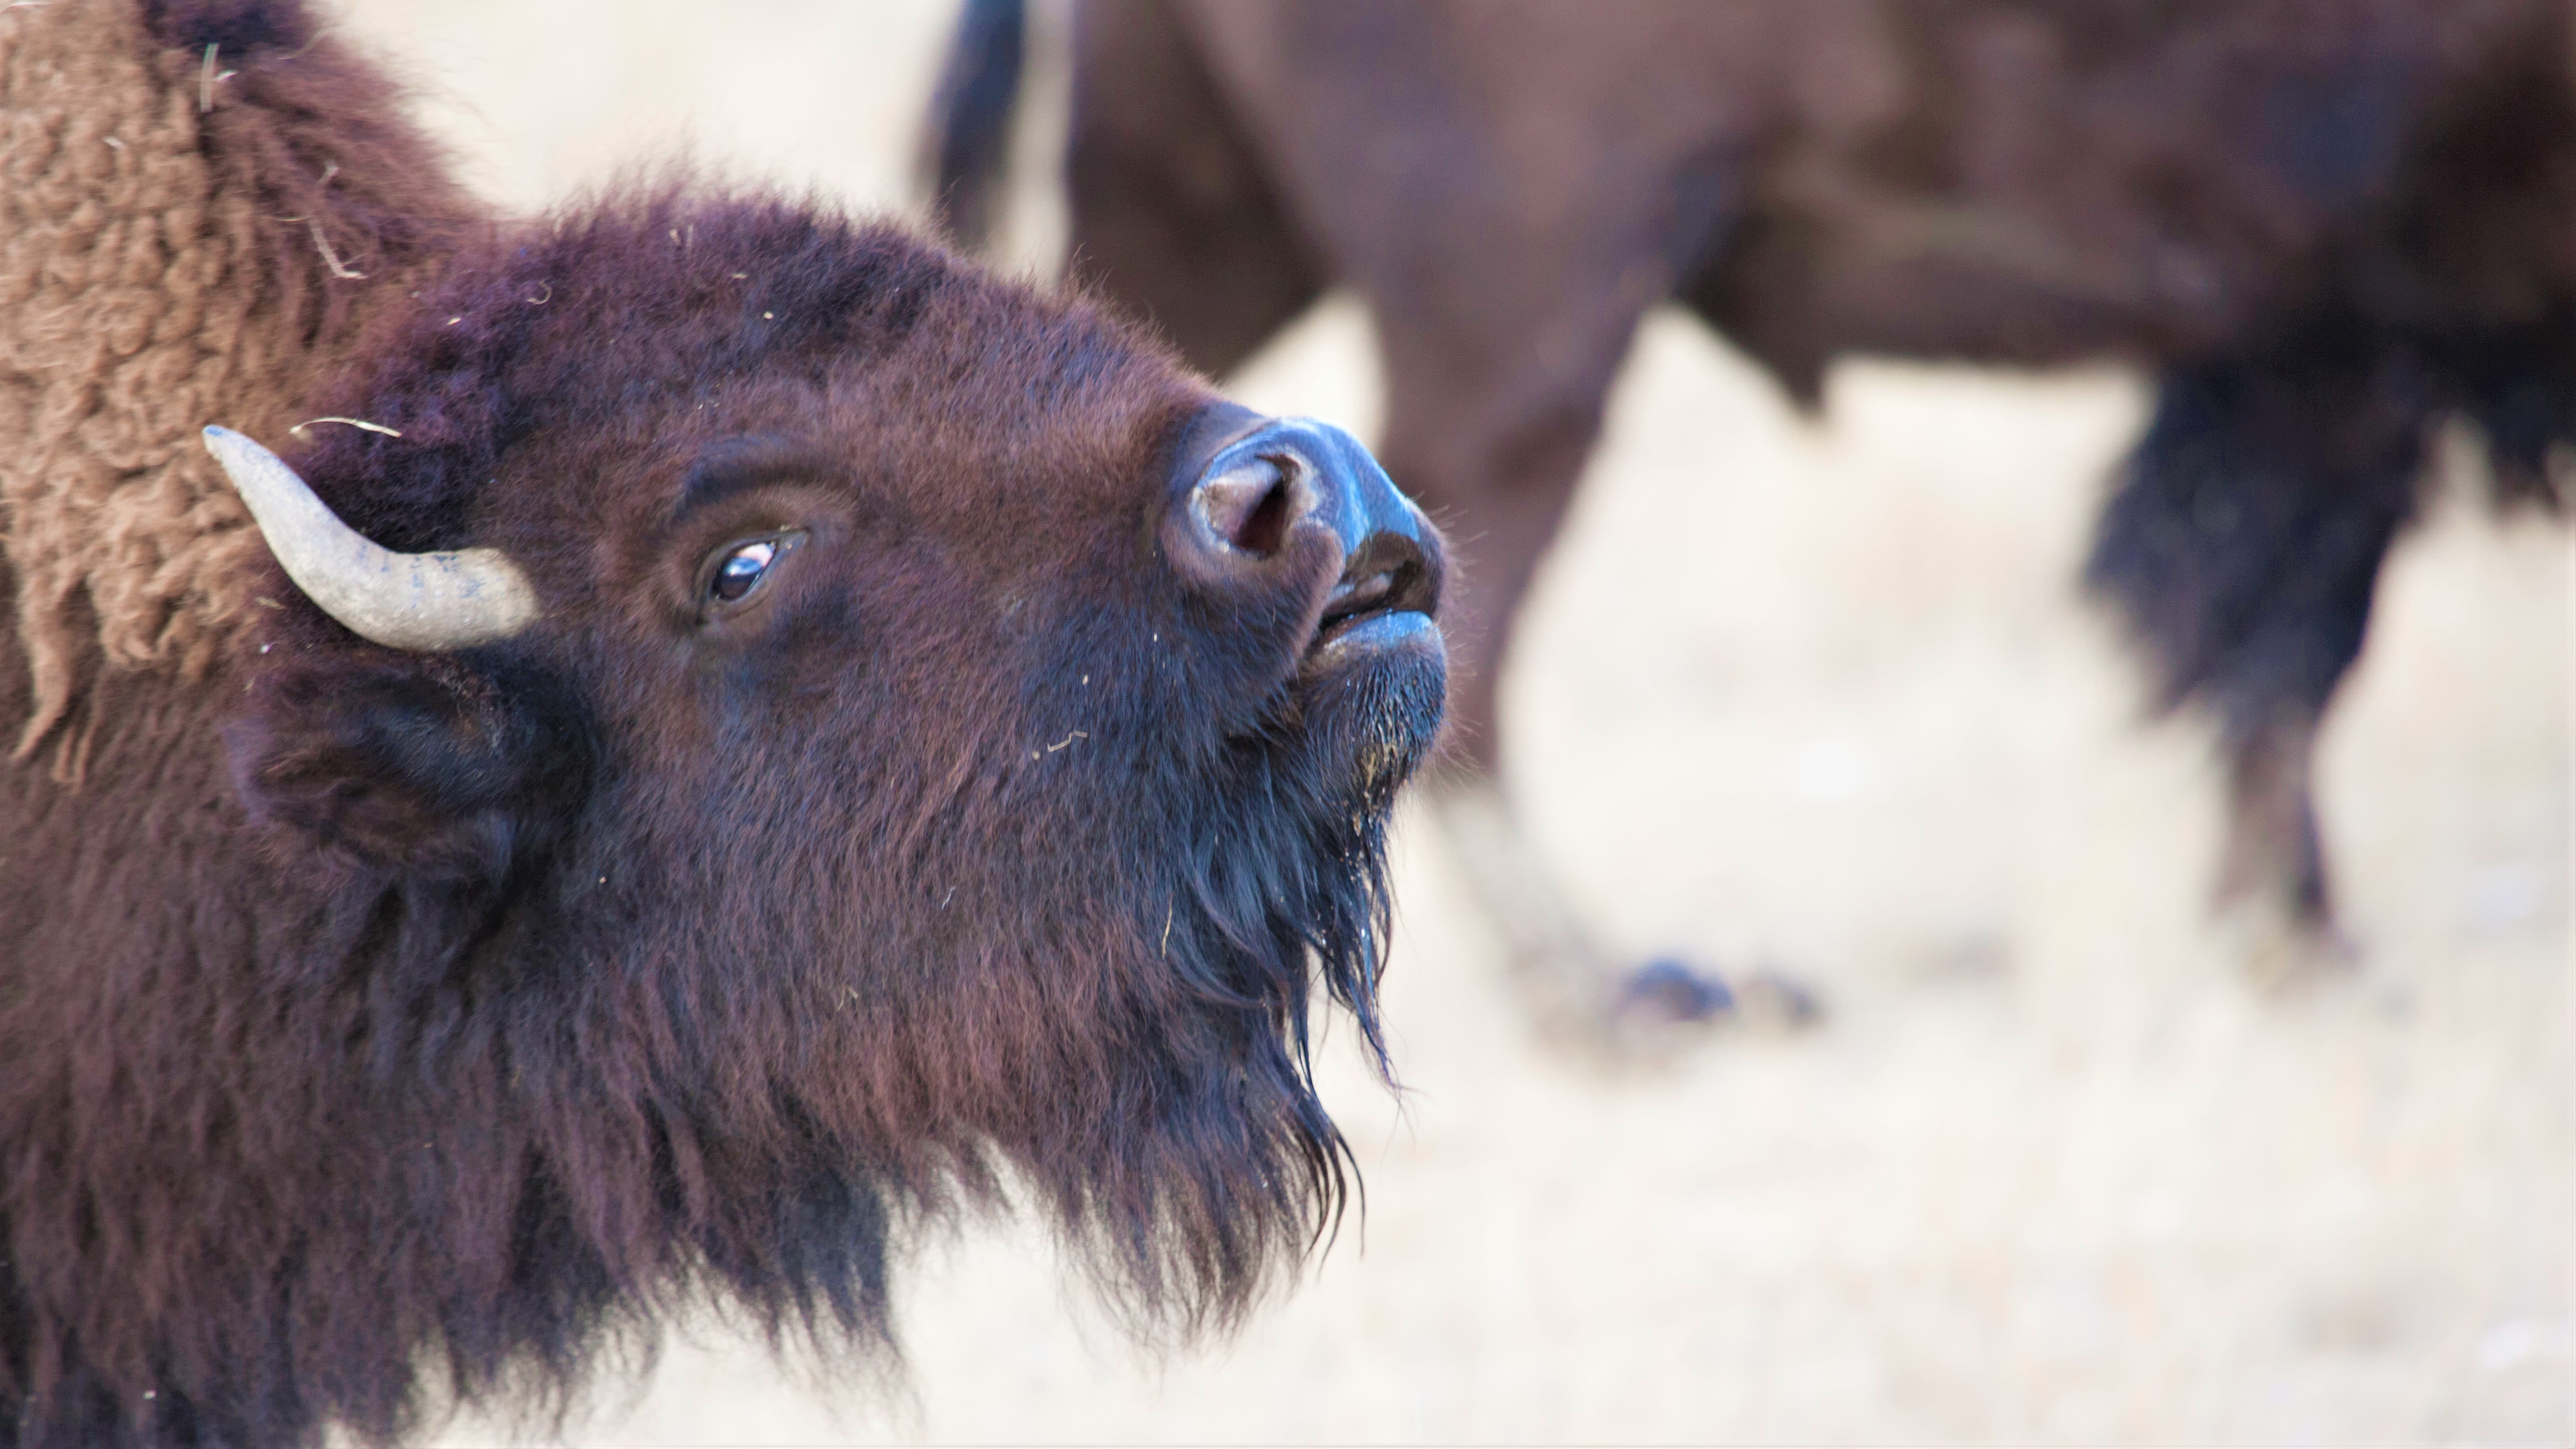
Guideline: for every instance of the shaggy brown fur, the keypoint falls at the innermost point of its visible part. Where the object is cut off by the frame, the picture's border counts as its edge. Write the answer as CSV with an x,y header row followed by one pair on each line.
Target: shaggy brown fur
x,y
2328,227
162,263
383,1028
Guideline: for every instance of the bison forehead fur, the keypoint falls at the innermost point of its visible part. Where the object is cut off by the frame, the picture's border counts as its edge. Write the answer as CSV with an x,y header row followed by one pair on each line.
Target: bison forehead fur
x,y
368,1010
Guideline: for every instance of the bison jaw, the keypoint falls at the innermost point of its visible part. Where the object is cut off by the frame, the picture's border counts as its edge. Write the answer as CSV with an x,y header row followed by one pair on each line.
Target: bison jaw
x,y
411,601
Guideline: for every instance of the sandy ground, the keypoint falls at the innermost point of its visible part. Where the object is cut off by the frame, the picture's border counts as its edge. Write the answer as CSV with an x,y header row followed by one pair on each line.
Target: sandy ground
x,y
1820,693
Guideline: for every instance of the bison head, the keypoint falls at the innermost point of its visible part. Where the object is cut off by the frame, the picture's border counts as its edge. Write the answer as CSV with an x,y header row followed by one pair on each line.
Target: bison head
x,y
926,747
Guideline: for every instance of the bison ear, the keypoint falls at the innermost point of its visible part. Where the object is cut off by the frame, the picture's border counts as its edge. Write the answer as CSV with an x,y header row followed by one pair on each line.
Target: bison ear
x,y
420,763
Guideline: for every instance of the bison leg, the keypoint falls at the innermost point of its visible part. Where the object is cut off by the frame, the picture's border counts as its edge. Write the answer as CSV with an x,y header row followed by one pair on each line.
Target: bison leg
x,y
1491,434
1173,216
2243,545
2272,886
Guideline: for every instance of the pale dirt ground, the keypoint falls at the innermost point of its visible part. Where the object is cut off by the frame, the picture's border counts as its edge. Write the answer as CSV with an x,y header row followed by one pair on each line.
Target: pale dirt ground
x,y
1820,693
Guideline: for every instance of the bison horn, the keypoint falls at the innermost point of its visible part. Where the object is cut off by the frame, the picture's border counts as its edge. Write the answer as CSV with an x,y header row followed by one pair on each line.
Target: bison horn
x,y
421,601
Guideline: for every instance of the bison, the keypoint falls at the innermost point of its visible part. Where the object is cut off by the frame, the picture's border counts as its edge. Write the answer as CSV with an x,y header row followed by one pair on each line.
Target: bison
x,y
728,736
2326,228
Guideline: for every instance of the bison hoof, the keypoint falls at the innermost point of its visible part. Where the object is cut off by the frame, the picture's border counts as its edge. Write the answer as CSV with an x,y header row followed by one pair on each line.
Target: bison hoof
x,y
1669,992
1666,990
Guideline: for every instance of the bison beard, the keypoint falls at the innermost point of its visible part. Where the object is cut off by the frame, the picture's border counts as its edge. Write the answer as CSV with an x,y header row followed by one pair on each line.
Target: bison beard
x,y
386,1028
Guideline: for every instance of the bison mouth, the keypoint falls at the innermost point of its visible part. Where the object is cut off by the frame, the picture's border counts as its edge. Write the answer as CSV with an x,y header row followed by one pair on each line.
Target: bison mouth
x,y
1371,685
1262,509
1382,602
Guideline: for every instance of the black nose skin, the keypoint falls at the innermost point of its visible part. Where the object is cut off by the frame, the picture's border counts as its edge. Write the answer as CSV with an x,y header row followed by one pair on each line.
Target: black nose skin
x,y
1254,485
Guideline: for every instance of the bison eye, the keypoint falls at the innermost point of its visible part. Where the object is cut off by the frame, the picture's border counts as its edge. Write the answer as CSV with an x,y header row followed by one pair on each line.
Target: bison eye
x,y
737,569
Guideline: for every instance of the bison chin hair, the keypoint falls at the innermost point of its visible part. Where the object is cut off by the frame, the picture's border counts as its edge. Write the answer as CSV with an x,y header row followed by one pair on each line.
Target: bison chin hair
x,y
1214,1168
1129,1046
1157,1105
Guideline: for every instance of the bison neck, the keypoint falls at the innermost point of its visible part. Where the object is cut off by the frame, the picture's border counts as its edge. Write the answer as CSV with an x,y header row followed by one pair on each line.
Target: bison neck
x,y
209,1062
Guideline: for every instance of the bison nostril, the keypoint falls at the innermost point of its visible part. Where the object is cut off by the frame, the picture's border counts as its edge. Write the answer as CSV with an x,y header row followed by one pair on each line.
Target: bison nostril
x,y
1251,505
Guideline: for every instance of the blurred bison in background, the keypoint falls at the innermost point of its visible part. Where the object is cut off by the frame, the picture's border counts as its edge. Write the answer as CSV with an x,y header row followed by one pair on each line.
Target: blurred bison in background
x,y
791,734
2328,228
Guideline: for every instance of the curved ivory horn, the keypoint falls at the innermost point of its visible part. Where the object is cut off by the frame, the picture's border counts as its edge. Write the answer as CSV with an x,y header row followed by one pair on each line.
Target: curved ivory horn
x,y
423,601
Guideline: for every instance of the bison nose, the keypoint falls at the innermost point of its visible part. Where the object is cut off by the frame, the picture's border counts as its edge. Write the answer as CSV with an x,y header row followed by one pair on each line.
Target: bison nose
x,y
1274,482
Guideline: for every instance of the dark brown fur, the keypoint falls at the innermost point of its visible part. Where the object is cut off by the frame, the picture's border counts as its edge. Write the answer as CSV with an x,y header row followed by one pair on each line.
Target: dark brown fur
x,y
386,1028
2326,227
